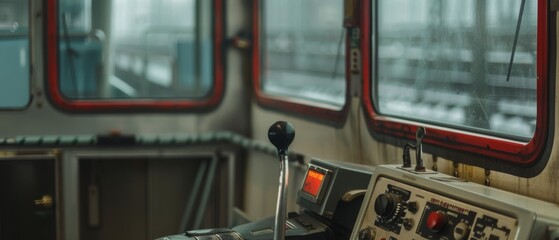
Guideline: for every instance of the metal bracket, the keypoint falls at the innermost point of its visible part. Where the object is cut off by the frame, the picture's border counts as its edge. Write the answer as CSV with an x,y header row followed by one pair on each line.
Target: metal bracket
x,y
455,166
487,179
435,167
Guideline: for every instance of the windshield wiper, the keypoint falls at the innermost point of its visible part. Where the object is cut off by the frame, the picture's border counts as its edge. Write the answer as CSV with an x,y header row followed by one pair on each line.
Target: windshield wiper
x,y
70,53
518,23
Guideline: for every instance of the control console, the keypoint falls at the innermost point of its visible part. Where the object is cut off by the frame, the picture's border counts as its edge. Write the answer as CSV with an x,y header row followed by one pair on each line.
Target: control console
x,y
405,204
330,197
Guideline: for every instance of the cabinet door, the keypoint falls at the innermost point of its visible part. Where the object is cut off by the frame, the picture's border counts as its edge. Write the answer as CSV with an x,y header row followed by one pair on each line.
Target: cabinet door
x,y
27,203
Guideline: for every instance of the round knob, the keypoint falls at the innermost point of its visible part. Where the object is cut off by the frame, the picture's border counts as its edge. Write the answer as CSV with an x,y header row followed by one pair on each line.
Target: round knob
x,y
387,205
461,231
436,221
412,207
281,134
366,234
408,223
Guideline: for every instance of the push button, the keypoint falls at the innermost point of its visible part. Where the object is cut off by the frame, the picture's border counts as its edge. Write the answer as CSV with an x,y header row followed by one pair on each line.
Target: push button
x,y
436,221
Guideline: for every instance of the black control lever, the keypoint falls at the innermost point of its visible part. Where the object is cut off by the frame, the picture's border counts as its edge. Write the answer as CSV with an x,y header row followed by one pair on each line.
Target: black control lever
x,y
281,134
419,135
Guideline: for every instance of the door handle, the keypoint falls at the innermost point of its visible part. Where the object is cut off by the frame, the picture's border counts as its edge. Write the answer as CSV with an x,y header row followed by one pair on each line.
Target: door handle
x,y
45,201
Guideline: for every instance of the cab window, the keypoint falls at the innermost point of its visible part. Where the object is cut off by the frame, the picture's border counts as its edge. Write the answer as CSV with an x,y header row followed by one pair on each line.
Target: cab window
x,y
139,52
468,65
474,73
14,57
301,57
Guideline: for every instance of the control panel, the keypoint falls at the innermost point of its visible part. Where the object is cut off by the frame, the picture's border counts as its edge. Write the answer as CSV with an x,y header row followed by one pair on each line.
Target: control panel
x,y
330,198
403,204
401,211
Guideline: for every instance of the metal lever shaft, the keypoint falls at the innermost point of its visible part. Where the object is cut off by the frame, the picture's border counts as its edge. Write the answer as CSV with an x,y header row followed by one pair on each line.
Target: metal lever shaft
x,y
279,231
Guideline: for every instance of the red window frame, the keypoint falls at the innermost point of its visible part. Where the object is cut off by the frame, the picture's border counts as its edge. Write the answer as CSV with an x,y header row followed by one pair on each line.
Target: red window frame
x,y
283,104
71,105
503,150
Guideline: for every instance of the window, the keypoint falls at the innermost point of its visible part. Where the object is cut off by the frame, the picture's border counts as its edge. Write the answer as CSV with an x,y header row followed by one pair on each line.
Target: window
x,y
301,55
136,54
14,60
475,71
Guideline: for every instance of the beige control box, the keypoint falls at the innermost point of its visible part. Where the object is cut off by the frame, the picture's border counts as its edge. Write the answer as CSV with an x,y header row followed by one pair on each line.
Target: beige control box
x,y
402,204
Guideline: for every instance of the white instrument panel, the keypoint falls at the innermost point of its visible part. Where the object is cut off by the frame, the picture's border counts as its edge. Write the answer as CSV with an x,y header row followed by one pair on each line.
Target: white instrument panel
x,y
401,204
420,214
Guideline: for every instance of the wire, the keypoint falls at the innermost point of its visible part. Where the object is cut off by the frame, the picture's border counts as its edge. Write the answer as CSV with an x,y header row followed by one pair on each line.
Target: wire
x,y
518,23
70,54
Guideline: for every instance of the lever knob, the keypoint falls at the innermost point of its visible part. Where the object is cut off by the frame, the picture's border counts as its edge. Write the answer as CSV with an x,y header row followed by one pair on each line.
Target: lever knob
x,y
281,134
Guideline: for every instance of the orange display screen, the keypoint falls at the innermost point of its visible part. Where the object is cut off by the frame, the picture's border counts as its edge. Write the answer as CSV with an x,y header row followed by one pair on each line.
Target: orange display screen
x,y
313,181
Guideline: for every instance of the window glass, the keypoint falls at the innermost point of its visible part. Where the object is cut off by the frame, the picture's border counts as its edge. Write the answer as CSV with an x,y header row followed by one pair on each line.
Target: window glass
x,y
14,54
303,51
135,49
448,62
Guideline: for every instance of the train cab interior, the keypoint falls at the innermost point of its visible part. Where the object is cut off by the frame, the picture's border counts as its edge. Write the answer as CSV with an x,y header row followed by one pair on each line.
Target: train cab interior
x,y
279,119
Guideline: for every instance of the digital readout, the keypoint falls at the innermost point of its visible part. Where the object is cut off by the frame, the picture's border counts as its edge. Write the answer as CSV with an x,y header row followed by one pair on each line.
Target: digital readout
x,y
313,181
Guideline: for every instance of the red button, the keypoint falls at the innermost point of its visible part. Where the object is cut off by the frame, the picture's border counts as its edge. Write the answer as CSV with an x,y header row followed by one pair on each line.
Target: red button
x,y
436,221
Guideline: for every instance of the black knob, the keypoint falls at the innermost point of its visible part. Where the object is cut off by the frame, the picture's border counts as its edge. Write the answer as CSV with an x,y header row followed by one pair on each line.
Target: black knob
x,y
366,234
412,207
281,134
386,205
408,223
